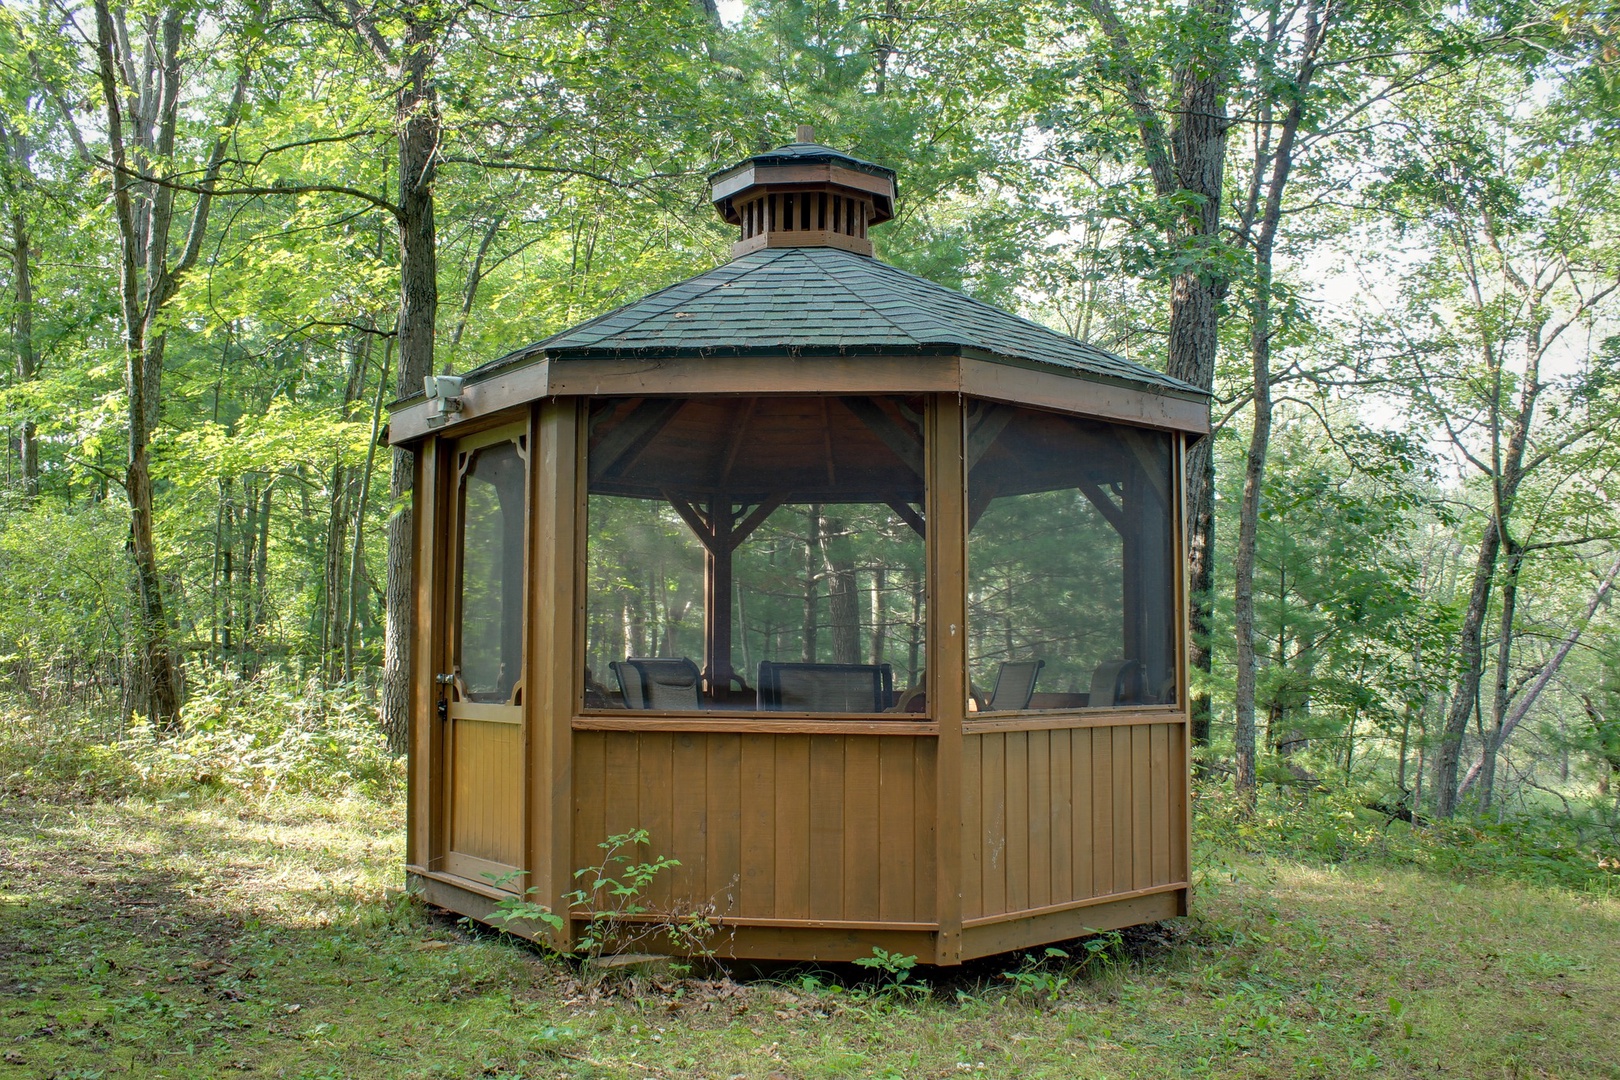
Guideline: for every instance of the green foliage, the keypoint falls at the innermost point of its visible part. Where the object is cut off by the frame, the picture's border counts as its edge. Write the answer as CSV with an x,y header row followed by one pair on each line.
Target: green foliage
x,y
260,736
614,897
895,970
1035,978
1345,827
513,909
63,618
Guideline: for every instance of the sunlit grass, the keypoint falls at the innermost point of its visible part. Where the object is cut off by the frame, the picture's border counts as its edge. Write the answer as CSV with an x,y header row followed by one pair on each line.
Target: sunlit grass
x,y
201,935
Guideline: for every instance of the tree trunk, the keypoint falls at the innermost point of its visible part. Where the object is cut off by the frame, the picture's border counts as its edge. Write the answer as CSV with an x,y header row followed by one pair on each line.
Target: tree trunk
x,y
419,131
227,571
1548,670
1198,149
23,336
362,498
147,282
1492,742
1260,331
1470,648
1248,529
1190,161
258,609
155,691
880,618
812,556
843,592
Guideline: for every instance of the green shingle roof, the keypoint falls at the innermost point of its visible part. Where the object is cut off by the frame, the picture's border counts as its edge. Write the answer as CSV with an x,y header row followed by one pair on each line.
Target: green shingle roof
x,y
823,301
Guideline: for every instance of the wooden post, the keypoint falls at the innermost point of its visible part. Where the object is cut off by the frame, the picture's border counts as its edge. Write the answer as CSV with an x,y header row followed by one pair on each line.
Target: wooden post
x,y
947,649
1182,859
717,581
1132,559
555,596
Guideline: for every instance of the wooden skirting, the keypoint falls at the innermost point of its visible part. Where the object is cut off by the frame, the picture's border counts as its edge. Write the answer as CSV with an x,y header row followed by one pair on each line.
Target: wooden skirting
x,y
836,829
832,941
1072,905
1022,933
1055,817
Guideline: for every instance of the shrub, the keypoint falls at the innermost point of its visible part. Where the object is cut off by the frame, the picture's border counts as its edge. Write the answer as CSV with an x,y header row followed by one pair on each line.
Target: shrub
x,y
270,733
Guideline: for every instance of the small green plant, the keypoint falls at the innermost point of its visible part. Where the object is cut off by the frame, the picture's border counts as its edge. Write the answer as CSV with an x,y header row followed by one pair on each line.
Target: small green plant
x,y
520,908
898,969
1104,951
613,896
1035,977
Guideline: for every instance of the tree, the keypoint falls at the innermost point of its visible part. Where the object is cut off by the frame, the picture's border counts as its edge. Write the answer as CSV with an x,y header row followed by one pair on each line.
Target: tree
x,y
1518,263
1176,91
141,133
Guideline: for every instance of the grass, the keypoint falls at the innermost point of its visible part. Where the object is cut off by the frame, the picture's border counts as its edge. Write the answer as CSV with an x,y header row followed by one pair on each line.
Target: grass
x,y
207,933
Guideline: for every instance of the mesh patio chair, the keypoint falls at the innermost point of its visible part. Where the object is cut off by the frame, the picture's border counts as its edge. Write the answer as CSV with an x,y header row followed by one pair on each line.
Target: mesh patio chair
x,y
659,683
1015,685
1115,682
825,688
631,687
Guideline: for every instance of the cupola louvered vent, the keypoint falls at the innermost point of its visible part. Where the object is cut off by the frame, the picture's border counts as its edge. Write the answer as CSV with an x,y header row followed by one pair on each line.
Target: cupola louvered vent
x,y
804,195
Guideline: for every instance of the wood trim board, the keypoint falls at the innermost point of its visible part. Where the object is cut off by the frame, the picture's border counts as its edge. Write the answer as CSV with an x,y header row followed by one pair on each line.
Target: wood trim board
x,y
947,372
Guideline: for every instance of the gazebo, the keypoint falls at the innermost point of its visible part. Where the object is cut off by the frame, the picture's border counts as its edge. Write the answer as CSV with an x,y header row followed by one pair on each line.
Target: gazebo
x,y
863,598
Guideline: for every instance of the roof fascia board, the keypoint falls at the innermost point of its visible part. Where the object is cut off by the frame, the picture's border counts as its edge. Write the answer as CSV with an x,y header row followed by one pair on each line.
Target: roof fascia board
x,y
1077,392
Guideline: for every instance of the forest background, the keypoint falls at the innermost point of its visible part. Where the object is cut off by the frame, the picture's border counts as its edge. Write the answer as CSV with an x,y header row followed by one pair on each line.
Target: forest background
x,y
1385,235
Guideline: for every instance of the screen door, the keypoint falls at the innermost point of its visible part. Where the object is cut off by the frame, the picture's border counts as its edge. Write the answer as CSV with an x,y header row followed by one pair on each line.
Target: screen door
x,y
483,683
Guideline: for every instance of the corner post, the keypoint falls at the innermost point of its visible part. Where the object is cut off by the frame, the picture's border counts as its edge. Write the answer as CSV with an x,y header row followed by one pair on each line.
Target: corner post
x,y
946,448
1181,859
557,492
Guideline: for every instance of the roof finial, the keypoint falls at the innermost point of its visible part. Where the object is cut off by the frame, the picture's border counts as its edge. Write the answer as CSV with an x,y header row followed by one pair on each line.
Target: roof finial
x,y
805,134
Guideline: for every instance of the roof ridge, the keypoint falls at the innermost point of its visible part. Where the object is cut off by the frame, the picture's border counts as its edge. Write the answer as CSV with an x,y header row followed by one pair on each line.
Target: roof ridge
x,y
992,309
722,282
857,297
541,346
881,267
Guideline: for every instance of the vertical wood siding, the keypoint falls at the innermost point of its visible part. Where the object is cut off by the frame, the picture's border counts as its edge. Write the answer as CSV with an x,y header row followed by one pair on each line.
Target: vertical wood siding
x,y
823,827
1050,817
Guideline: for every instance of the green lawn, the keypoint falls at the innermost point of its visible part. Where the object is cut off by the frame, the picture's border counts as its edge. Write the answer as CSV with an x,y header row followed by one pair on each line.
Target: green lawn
x,y
217,935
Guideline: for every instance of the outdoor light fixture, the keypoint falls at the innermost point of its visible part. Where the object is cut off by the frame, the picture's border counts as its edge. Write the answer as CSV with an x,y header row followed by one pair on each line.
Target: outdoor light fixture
x,y
444,397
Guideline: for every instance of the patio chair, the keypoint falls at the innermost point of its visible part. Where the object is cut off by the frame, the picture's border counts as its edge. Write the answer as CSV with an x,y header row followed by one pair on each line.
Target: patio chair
x,y
825,688
1116,682
631,687
659,683
1015,685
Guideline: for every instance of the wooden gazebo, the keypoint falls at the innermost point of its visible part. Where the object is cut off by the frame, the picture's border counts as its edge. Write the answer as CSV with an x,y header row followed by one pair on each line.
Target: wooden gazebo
x,y
864,599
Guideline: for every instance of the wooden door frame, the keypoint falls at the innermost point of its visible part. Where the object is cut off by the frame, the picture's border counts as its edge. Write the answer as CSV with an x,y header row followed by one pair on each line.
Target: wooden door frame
x,y
444,646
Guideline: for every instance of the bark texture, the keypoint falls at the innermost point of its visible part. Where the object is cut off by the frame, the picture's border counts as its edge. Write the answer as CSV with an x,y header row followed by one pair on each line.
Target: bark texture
x,y
23,337
419,131
1190,159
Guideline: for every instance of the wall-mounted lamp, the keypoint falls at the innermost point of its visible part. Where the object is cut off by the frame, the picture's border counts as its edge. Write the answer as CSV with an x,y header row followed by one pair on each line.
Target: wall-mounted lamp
x,y
443,396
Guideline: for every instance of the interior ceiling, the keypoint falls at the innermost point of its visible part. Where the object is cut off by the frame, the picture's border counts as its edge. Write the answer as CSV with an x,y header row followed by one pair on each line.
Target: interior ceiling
x,y
832,449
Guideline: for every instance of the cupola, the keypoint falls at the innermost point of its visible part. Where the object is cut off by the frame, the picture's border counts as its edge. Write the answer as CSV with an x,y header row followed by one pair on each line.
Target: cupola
x,y
803,194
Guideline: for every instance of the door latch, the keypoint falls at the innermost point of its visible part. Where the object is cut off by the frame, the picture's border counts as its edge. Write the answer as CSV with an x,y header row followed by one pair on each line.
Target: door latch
x,y
444,680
